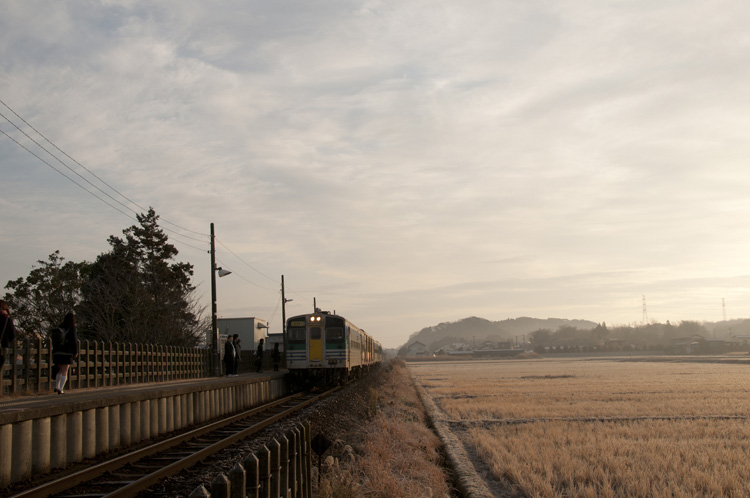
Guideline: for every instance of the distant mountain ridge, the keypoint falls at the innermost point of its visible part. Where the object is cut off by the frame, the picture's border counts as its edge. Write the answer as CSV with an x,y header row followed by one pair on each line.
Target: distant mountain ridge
x,y
477,330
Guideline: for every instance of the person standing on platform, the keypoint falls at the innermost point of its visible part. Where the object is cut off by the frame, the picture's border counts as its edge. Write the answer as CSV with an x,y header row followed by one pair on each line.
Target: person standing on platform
x,y
276,357
259,357
7,330
229,356
64,349
237,353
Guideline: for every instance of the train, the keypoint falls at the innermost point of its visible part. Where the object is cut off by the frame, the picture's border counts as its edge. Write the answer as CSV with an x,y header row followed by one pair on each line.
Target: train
x,y
322,347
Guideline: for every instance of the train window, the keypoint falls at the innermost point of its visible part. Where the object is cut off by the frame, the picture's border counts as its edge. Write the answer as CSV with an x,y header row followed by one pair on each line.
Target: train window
x,y
296,334
334,334
315,333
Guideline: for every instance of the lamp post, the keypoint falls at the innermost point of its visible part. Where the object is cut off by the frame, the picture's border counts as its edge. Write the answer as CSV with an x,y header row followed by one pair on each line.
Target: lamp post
x,y
214,320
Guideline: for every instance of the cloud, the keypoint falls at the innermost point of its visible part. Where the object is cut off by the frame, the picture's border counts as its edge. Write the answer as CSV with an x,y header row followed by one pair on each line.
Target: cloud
x,y
402,160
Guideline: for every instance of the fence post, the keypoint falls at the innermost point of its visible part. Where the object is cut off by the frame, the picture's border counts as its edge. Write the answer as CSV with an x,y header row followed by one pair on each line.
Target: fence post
x,y
252,486
292,473
237,482
200,492
96,364
264,472
48,358
300,463
274,470
284,470
152,359
108,366
38,356
220,487
14,369
307,448
127,361
26,365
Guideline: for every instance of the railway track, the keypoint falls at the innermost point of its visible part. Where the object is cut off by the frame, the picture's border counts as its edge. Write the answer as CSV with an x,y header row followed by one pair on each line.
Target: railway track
x,y
136,471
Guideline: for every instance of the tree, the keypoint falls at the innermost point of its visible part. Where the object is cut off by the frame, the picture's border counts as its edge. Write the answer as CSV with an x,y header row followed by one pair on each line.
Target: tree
x,y
135,292
540,338
52,289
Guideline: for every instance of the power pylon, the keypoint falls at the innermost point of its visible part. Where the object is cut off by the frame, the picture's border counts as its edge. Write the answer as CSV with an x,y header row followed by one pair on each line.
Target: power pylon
x,y
645,313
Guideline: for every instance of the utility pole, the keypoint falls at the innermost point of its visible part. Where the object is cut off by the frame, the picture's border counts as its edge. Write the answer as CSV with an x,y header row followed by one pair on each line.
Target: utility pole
x,y
283,309
214,326
284,300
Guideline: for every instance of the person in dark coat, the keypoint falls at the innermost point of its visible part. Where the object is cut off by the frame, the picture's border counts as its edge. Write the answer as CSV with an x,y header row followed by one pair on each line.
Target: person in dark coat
x,y
237,354
276,357
259,357
229,356
65,352
7,330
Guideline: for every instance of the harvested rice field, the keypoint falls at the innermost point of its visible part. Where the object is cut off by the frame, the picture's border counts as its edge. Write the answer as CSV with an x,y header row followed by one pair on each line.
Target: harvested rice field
x,y
599,427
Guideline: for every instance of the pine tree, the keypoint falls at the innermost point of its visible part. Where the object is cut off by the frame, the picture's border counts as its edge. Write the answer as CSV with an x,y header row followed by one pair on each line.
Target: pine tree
x,y
136,293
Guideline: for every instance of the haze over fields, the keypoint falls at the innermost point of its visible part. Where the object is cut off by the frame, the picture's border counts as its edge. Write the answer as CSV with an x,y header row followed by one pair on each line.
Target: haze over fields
x,y
405,163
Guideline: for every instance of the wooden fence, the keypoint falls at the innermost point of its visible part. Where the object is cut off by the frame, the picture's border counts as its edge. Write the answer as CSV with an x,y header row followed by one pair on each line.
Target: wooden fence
x,y
29,365
283,468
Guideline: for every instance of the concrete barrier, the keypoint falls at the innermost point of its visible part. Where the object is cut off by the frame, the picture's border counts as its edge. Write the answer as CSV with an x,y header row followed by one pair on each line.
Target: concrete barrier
x,y
83,425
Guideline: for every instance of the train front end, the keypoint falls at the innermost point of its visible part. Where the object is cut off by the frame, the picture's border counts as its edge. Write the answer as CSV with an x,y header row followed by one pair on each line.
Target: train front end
x,y
316,347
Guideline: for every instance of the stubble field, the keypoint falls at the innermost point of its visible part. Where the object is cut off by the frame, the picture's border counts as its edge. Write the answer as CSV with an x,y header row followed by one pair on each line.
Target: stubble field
x,y
600,427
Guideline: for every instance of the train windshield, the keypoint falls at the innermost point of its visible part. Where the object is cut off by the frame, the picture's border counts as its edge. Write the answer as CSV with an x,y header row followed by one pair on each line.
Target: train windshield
x,y
315,333
334,334
296,334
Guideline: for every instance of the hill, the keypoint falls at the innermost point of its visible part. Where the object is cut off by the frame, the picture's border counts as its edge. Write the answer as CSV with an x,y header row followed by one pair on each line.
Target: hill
x,y
475,330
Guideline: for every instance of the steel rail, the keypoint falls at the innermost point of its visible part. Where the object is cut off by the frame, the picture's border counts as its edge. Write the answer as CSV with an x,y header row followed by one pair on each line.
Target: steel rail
x,y
149,480
69,481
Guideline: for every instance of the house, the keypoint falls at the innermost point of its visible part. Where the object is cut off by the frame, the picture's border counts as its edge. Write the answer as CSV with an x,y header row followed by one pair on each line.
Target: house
x,y
694,344
416,349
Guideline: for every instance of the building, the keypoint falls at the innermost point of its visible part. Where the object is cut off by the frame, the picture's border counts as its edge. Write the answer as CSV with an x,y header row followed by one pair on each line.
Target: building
x,y
274,339
416,349
249,330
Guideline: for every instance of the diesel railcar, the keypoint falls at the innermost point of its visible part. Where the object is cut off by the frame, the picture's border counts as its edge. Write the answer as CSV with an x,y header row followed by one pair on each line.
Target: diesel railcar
x,y
324,347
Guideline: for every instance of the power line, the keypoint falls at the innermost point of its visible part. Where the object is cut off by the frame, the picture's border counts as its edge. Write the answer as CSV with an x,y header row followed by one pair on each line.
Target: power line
x,y
256,270
66,176
176,235
246,263
241,277
88,170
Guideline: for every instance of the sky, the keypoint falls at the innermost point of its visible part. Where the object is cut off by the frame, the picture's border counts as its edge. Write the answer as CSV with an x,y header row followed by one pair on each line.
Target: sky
x,y
401,162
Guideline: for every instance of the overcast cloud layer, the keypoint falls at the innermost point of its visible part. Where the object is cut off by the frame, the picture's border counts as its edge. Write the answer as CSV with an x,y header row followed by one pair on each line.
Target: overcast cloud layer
x,y
403,162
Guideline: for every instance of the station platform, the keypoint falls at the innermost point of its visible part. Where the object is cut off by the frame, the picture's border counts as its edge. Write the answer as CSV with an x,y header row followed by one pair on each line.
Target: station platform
x,y
39,433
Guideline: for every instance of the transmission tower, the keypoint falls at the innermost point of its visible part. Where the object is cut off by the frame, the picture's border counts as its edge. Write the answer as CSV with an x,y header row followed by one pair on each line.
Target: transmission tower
x,y
645,313
724,309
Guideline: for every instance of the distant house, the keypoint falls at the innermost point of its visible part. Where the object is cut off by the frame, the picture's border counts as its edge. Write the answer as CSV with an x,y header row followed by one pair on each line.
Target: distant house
x,y
694,344
455,349
416,349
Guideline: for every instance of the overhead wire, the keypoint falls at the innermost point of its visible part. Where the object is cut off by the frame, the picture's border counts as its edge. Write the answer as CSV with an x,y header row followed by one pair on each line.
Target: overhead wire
x,y
66,176
128,208
90,192
88,170
257,271
245,262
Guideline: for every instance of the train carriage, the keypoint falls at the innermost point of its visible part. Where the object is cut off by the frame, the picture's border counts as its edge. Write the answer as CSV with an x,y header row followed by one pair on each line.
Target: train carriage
x,y
326,347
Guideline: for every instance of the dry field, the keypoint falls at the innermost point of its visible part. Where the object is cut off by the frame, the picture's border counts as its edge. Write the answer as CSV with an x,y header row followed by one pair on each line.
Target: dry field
x,y
600,427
